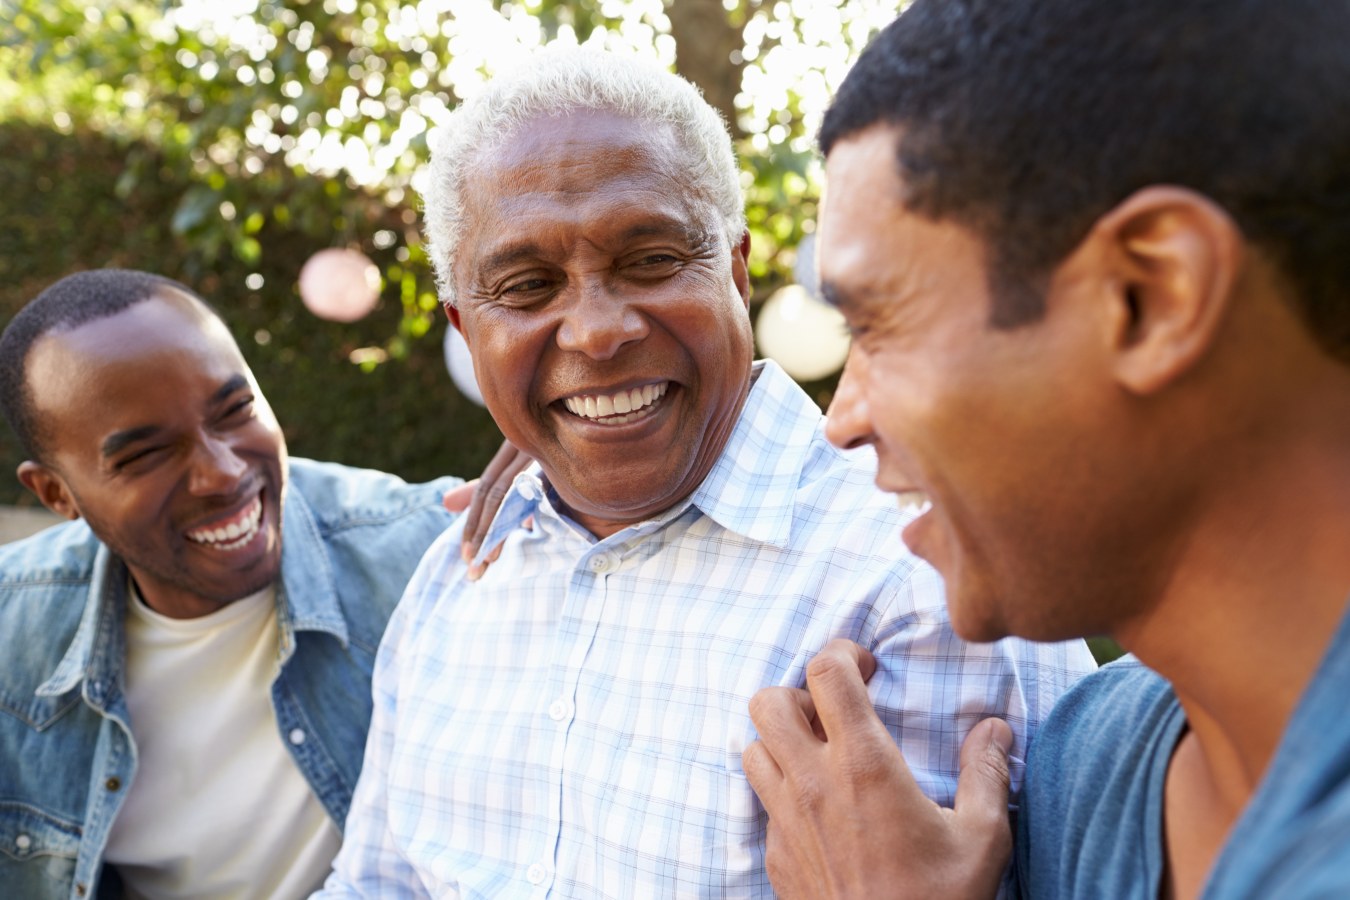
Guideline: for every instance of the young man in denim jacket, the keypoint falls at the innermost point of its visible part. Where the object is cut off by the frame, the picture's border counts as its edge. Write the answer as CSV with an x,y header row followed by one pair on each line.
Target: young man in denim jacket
x,y
183,704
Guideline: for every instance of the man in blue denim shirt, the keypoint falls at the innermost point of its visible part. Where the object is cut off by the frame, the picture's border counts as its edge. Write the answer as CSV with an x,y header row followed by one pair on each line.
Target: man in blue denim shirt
x,y
183,705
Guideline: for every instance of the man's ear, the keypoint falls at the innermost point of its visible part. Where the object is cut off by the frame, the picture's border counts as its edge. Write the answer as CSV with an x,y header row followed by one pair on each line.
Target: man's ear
x,y
1174,257
740,267
49,487
452,313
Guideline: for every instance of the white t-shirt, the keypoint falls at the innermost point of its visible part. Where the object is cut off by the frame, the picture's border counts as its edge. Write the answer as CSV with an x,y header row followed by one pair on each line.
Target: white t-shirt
x,y
218,808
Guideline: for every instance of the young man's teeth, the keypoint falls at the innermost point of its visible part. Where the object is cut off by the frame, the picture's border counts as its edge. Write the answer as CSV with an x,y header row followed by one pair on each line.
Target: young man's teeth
x,y
619,407
234,535
915,502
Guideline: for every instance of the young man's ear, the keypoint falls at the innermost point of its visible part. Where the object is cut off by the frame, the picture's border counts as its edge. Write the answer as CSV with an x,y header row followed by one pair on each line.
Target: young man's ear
x,y
1176,257
49,487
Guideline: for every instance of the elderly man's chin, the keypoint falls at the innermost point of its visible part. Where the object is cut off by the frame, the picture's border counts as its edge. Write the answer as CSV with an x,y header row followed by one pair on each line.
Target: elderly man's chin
x,y
610,501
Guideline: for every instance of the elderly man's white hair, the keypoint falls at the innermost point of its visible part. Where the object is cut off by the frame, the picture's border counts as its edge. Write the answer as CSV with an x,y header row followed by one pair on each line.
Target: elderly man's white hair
x,y
563,79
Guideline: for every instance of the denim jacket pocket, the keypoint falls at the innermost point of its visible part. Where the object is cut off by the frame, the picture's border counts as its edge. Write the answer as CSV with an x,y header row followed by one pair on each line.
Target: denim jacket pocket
x,y
37,851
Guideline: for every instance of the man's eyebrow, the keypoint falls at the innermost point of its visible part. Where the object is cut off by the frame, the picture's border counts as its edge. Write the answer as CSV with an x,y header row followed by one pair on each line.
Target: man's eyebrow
x,y
232,384
833,294
663,228
119,441
510,256
115,443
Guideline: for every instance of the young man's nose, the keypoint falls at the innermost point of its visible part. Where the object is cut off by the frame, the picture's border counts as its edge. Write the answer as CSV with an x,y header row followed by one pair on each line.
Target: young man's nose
x,y
848,421
216,467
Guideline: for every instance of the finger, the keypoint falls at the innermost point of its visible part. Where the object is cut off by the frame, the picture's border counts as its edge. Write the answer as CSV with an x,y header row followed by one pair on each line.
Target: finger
x,y
761,770
982,790
489,492
782,716
836,678
478,569
457,499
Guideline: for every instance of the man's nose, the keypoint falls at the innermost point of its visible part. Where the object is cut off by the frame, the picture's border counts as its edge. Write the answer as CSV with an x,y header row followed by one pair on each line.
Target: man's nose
x,y
848,421
599,321
216,468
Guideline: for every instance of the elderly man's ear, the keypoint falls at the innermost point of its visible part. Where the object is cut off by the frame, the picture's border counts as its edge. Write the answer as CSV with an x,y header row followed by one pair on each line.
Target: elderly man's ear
x,y
48,487
1169,260
740,267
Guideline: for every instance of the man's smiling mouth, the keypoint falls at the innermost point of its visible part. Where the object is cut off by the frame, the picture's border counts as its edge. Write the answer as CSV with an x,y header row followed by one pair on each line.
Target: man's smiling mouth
x,y
618,408
232,533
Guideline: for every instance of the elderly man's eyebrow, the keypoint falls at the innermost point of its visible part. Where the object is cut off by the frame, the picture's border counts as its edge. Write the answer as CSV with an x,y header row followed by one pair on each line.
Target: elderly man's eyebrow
x,y
511,255
664,228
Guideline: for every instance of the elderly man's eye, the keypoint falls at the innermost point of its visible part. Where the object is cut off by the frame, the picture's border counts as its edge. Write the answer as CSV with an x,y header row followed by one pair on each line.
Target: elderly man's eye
x,y
521,287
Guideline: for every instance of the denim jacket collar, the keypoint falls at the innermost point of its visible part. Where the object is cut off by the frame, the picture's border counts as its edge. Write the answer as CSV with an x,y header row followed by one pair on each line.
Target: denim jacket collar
x,y
95,653
307,601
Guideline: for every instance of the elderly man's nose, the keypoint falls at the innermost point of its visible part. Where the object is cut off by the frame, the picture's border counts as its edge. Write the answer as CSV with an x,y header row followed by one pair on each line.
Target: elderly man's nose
x,y
599,323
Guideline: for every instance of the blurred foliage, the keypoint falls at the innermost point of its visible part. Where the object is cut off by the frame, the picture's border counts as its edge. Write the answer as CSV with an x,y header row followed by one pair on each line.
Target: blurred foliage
x,y
223,142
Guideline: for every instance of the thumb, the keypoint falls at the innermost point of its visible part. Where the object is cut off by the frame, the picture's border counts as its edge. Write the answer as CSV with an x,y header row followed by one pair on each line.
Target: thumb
x,y
457,499
983,787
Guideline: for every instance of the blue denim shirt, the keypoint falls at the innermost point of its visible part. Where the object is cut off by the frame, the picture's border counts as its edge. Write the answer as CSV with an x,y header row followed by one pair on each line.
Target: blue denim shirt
x,y
350,540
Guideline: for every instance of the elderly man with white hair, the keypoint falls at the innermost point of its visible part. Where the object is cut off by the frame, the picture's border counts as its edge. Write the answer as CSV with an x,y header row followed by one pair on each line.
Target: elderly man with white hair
x,y
572,724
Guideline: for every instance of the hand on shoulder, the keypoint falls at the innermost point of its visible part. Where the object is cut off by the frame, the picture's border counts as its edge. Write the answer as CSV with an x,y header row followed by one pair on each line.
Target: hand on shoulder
x,y
846,817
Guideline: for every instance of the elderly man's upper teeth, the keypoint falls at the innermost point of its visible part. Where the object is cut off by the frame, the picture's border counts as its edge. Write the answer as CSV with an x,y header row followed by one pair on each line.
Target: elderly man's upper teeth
x,y
618,403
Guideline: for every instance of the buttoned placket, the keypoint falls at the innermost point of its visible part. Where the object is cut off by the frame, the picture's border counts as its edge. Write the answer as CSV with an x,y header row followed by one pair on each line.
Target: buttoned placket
x,y
116,762
585,605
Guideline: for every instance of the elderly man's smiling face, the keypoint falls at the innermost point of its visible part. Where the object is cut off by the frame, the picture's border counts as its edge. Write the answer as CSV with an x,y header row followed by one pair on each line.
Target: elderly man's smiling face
x,y
606,313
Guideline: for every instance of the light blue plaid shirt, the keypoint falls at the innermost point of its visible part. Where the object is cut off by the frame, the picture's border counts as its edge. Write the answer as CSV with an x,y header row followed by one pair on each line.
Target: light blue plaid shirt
x,y
572,724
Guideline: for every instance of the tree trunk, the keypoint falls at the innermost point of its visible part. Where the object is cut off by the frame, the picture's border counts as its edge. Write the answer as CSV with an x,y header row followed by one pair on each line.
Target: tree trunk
x,y
707,52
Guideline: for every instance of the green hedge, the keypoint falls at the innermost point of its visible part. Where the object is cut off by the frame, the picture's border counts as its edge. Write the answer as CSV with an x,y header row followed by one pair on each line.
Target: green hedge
x,y
62,212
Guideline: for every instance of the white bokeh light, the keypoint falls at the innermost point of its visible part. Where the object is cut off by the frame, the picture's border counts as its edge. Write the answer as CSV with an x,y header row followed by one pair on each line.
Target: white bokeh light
x,y
805,336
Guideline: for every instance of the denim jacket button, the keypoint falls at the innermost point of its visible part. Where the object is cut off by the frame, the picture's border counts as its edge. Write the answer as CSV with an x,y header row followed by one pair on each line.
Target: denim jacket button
x,y
23,842
297,736
114,783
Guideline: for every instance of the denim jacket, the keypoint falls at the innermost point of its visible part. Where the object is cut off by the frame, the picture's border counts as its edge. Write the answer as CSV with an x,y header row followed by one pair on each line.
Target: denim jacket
x,y
350,540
